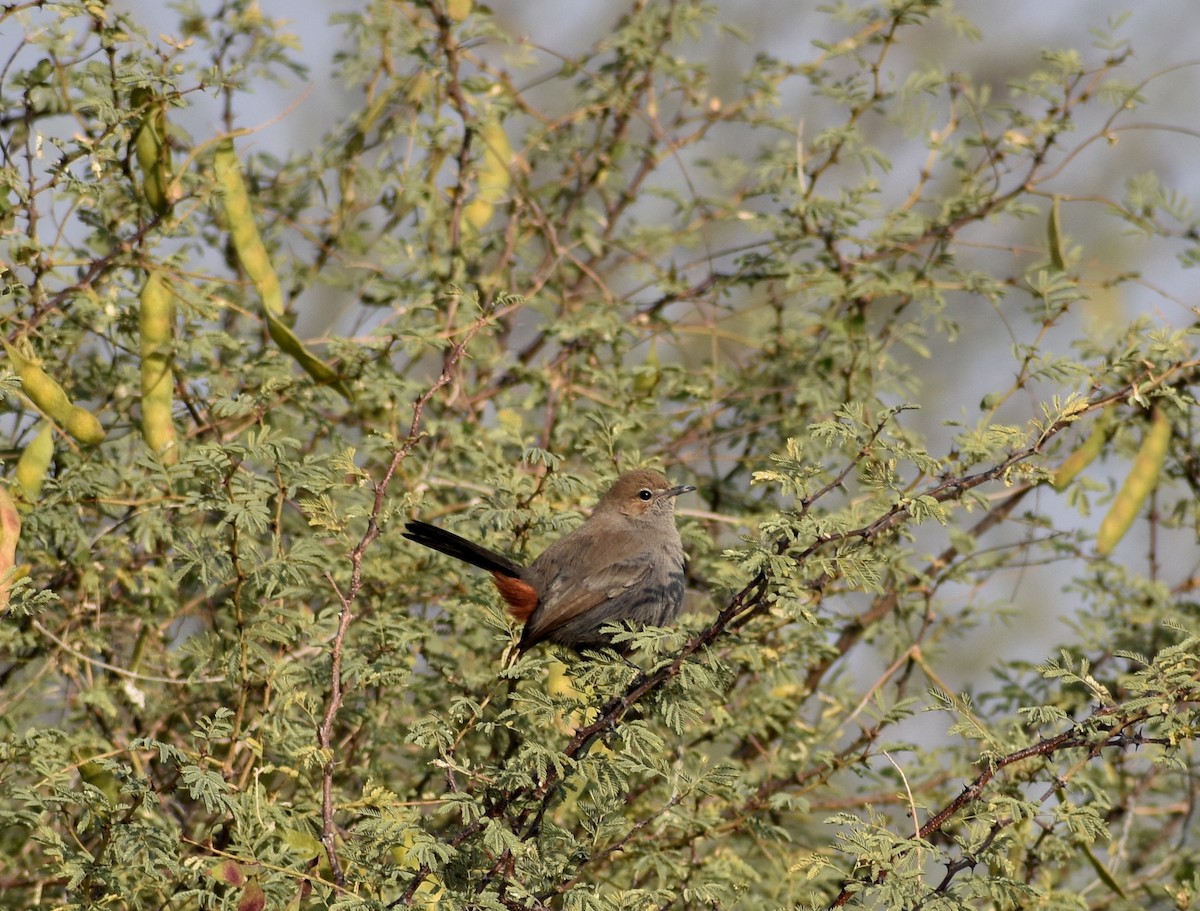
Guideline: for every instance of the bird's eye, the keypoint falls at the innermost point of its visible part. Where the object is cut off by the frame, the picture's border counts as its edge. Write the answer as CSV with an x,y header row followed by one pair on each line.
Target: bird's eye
x,y
645,494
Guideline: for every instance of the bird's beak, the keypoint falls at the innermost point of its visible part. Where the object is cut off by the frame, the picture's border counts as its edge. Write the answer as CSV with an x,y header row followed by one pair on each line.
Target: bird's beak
x,y
676,491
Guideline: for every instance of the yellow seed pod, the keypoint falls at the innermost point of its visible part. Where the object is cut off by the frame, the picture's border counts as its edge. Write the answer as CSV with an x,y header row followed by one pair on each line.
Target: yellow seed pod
x,y
50,398
494,178
418,86
156,325
34,463
1082,457
102,779
1143,478
44,392
431,889
647,376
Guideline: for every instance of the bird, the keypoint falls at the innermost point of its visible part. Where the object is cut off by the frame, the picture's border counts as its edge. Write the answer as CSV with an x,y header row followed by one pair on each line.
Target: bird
x,y
624,563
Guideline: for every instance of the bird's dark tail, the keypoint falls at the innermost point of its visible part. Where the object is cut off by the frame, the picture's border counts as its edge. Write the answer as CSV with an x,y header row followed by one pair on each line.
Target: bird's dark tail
x,y
461,549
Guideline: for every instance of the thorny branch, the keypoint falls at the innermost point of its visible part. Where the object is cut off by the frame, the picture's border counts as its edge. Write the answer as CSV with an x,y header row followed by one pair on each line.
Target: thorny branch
x,y
752,600
333,702
1093,734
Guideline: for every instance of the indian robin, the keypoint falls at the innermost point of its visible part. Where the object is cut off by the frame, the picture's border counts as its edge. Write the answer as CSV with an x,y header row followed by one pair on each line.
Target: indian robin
x,y
624,563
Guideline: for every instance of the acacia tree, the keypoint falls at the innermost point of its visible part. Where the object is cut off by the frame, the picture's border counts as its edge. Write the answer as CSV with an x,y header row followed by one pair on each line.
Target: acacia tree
x,y
478,294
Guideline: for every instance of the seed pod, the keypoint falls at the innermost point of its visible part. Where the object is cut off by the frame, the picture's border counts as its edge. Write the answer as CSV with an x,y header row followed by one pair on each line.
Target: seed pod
x,y
313,365
84,426
251,251
49,398
151,149
1143,478
494,178
102,779
156,324
1054,238
34,463
1082,457
646,377
253,256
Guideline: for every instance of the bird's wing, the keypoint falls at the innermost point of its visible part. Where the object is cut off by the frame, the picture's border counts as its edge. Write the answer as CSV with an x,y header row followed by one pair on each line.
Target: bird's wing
x,y
567,595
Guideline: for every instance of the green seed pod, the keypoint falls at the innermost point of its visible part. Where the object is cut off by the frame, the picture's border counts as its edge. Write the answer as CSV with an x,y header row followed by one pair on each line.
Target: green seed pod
x,y
1143,478
151,150
156,324
313,366
1054,237
251,251
34,463
103,780
252,254
50,399
84,426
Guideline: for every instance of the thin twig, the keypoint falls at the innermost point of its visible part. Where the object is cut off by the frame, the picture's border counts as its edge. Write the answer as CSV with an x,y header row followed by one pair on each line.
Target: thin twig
x,y
346,598
1081,735
752,600
121,671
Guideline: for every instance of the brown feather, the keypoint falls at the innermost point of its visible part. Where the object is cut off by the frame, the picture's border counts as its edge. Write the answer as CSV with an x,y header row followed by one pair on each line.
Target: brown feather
x,y
521,598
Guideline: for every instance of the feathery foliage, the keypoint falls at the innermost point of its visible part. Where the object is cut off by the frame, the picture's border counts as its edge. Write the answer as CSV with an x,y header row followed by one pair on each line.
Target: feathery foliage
x,y
492,278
